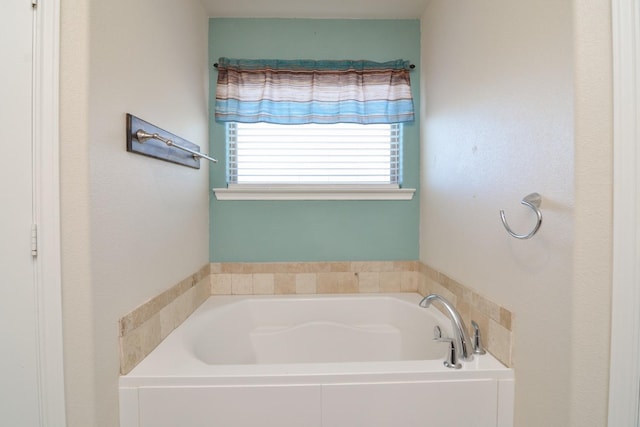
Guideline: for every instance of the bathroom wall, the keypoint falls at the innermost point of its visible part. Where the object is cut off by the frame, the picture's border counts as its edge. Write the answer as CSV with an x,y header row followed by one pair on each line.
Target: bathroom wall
x,y
132,226
259,231
516,99
505,83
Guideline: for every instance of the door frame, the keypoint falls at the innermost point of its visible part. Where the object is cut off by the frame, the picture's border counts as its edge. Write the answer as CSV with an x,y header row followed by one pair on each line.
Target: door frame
x,y
624,380
48,280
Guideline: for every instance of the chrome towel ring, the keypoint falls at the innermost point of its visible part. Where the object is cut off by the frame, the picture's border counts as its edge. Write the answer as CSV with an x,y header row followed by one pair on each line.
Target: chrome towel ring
x,y
533,201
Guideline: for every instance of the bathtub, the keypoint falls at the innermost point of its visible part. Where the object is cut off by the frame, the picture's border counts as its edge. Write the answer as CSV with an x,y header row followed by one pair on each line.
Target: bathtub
x,y
313,361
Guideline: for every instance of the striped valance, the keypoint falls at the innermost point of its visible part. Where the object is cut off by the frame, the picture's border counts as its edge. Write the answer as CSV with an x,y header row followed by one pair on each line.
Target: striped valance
x,y
308,91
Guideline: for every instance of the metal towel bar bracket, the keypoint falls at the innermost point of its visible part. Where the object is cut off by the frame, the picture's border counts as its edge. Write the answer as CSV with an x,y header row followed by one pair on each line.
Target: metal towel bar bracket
x,y
532,201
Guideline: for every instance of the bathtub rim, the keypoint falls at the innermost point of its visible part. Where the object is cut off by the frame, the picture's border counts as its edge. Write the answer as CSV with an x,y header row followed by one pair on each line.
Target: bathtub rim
x,y
182,368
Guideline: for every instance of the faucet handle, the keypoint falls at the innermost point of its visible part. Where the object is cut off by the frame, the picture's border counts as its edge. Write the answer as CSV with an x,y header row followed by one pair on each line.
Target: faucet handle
x,y
451,361
477,339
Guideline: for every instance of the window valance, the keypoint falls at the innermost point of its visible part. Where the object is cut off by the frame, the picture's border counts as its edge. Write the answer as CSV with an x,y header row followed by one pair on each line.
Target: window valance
x,y
309,91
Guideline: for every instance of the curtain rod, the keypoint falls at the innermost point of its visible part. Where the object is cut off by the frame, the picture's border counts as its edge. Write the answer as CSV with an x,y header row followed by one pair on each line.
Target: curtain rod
x,y
412,66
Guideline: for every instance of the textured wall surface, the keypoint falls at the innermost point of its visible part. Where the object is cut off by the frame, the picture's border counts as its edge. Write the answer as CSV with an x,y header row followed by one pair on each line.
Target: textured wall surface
x,y
498,108
516,99
132,225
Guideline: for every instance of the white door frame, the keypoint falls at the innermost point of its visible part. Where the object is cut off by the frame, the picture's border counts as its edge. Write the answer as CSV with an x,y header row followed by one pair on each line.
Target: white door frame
x,y
624,383
47,200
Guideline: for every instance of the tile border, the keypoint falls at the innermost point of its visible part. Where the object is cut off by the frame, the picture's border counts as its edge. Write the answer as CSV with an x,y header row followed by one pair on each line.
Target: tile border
x,y
314,277
145,311
141,330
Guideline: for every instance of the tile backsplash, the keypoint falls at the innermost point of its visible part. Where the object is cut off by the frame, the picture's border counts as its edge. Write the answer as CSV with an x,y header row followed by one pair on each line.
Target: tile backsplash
x,y
314,277
145,327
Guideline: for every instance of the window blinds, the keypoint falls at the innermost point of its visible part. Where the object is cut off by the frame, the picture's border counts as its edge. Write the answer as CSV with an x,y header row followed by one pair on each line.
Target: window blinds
x,y
262,153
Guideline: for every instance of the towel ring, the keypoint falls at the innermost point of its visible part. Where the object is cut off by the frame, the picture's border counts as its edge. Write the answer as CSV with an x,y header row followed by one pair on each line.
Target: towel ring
x,y
532,201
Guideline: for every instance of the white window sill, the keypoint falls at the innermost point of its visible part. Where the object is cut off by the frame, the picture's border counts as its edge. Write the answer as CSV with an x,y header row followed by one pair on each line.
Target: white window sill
x,y
314,192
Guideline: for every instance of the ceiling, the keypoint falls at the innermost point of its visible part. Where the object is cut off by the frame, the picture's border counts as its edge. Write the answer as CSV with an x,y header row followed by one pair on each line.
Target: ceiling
x,y
347,9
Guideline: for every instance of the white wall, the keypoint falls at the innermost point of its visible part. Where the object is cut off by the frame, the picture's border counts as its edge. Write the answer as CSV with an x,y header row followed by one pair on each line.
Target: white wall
x,y
592,257
132,226
508,96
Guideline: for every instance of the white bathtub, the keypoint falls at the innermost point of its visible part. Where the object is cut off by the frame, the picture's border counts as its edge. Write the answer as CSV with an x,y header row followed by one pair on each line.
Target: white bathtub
x,y
312,361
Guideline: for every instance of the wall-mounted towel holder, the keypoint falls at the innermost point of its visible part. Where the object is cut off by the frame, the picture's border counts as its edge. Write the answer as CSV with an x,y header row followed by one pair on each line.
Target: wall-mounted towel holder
x,y
532,201
149,140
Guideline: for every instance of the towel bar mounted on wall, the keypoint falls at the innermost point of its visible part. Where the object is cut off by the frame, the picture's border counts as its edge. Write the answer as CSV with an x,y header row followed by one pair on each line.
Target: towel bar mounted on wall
x,y
144,138
532,201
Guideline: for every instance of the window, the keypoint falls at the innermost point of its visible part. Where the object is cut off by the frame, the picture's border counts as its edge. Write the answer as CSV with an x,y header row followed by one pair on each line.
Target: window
x,y
313,129
314,154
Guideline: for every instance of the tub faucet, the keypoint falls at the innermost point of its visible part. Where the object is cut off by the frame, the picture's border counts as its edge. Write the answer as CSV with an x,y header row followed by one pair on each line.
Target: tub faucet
x,y
461,339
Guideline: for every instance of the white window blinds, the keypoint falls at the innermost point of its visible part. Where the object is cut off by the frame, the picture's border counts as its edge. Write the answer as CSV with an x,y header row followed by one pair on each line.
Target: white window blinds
x,y
314,154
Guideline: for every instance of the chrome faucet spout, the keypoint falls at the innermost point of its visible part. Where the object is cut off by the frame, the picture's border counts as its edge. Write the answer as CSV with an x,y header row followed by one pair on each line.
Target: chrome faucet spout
x,y
461,337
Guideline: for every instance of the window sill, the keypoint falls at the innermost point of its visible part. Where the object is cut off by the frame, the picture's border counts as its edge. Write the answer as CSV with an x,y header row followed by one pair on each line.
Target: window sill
x,y
314,192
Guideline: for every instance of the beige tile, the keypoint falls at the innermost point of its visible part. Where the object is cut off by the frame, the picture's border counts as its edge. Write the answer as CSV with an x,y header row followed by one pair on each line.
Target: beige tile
x,y
339,267
337,283
179,309
326,283
221,284
467,295
153,306
184,306
167,318
263,284
306,283
143,329
241,284
297,267
138,343
322,267
203,291
453,286
422,286
465,311
404,265
505,318
141,314
437,288
499,342
365,266
231,267
347,283
204,271
390,281
386,266
487,307
431,273
278,267
284,283
368,282
263,267
215,268
409,281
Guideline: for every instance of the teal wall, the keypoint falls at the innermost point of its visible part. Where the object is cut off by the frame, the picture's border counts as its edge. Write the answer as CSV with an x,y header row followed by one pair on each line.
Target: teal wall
x,y
261,231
